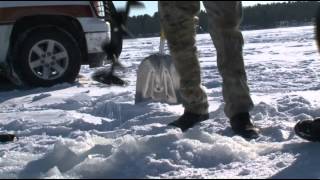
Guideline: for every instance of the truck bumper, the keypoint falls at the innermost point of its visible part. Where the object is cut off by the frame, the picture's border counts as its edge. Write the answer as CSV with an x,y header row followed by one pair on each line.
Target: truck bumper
x,y
96,32
95,40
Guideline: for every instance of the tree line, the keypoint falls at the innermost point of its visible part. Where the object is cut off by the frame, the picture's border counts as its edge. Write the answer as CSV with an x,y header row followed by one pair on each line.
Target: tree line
x,y
254,17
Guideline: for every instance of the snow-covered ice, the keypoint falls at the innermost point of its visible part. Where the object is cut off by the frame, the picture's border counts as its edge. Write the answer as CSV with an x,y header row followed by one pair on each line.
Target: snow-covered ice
x,y
90,130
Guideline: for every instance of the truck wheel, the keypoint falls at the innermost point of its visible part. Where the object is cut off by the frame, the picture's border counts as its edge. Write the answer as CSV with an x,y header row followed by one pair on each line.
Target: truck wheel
x,y
46,56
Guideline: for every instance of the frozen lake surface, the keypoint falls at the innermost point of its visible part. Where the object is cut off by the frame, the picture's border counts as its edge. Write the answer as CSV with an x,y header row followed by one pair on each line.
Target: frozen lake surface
x,y
90,130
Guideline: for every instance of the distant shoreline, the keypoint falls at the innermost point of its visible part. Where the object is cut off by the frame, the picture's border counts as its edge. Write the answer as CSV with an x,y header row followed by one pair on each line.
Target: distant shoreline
x,y
253,29
286,14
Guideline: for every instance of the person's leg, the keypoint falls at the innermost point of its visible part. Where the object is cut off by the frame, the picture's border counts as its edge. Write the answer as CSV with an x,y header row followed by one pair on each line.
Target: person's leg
x,y
178,23
224,20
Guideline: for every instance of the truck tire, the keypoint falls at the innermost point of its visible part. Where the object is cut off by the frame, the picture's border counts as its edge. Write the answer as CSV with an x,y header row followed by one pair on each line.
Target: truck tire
x,y
46,56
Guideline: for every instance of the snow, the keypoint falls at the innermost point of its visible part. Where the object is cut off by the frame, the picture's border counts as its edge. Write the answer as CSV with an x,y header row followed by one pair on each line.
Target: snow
x,y
90,130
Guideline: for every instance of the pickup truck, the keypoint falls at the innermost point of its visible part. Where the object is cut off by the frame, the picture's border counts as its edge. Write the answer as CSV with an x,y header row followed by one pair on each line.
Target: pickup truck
x,y
46,42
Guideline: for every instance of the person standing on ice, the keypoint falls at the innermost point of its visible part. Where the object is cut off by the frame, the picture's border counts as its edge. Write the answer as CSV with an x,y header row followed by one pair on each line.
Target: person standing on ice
x,y
178,23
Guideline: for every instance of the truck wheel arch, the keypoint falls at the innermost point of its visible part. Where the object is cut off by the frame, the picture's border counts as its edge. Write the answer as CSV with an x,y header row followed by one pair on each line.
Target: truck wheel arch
x,y
69,24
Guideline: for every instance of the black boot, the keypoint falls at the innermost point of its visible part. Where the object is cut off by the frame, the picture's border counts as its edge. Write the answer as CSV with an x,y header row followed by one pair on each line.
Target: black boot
x,y
188,120
309,130
7,137
241,125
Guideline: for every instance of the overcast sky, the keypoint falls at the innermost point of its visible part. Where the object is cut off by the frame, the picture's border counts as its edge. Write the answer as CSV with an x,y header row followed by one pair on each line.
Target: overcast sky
x,y
152,6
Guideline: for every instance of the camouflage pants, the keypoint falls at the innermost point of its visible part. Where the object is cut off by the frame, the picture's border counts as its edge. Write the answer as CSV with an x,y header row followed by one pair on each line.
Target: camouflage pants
x,y
178,22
